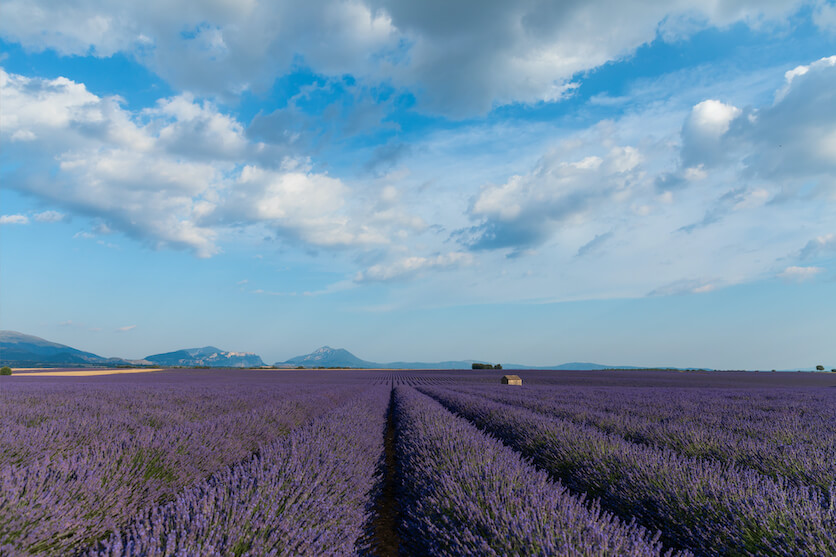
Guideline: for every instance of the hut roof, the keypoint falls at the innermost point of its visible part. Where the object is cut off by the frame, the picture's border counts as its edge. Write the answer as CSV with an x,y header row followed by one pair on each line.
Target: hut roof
x,y
510,377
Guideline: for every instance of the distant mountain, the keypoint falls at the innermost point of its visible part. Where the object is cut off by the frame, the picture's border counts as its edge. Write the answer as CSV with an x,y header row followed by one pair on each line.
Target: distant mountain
x,y
340,357
208,356
20,350
328,357
576,366
587,366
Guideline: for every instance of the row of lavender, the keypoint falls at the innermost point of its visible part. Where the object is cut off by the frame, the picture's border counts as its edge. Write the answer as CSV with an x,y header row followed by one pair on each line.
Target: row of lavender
x,y
410,379
59,419
79,460
464,493
778,432
706,506
306,494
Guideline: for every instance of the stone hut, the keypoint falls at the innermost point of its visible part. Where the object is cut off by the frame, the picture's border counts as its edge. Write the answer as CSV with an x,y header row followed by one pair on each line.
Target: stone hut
x,y
511,380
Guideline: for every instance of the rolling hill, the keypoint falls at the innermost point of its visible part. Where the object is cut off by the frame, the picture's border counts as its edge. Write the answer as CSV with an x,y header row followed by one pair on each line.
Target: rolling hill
x,y
21,350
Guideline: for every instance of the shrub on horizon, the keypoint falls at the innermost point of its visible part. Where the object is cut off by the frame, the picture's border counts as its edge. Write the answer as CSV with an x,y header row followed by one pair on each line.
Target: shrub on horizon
x,y
484,366
5,370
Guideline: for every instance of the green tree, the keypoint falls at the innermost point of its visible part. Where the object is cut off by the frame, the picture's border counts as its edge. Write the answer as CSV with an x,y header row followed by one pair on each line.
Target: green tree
x,y
819,368
5,370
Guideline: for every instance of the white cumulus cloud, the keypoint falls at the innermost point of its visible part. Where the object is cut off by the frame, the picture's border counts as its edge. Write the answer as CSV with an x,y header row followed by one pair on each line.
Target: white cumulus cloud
x,y
176,175
411,266
14,219
702,131
799,274
50,216
526,210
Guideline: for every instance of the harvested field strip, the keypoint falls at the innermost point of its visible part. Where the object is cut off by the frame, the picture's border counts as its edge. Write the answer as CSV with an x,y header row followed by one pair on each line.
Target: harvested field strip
x,y
84,372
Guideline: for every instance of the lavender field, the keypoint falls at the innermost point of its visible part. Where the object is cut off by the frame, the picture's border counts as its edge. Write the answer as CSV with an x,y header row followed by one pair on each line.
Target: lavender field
x,y
239,462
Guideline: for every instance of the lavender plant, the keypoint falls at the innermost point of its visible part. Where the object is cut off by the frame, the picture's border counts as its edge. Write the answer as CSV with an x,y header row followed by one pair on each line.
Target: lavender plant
x,y
778,432
81,463
467,494
305,494
704,506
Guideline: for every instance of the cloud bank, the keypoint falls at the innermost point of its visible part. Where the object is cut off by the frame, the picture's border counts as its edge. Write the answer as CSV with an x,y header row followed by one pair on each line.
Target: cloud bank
x,y
178,175
691,200
458,59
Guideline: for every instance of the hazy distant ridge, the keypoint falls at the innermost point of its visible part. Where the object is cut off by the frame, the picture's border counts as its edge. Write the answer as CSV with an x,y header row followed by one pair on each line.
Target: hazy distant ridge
x,y
340,357
21,350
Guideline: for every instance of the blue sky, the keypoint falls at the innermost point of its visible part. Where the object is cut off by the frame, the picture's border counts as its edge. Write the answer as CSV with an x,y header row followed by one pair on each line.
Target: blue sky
x,y
531,182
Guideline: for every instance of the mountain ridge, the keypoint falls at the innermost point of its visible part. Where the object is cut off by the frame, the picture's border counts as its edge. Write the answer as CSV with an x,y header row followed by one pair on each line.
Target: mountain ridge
x,y
325,356
207,356
22,350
